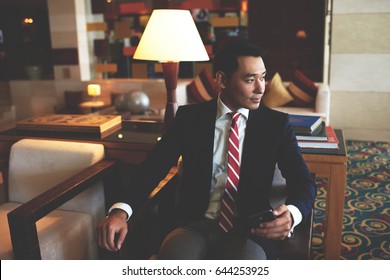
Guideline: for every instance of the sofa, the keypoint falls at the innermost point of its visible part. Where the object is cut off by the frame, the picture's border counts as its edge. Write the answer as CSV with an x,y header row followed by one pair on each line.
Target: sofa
x,y
321,106
201,88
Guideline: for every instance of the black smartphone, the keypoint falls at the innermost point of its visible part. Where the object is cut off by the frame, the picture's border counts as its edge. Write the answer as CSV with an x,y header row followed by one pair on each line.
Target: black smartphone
x,y
261,217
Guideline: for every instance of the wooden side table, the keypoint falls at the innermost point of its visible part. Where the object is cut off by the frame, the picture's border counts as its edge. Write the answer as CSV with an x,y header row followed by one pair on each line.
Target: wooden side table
x,y
331,164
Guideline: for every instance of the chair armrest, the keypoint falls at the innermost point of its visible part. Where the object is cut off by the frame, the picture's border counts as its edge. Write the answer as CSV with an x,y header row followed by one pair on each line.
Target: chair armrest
x,y
298,246
22,220
155,206
322,104
159,193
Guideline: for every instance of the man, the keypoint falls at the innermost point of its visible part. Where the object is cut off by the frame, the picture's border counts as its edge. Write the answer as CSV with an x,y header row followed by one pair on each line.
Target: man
x,y
229,148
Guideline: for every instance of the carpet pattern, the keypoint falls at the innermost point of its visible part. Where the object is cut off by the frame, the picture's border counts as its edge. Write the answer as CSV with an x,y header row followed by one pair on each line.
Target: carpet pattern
x,y
366,221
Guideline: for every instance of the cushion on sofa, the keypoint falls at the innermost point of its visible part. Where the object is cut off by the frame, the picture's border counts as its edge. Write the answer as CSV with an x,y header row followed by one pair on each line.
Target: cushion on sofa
x,y
202,88
276,94
303,90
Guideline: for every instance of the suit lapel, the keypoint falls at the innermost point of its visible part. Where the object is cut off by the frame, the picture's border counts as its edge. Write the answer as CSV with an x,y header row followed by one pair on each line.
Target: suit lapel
x,y
253,126
255,142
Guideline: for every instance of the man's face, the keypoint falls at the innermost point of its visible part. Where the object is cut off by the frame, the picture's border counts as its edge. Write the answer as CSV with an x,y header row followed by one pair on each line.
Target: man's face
x,y
246,86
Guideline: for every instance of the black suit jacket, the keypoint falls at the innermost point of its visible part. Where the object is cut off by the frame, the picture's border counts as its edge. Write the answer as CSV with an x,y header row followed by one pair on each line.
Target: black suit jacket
x,y
269,139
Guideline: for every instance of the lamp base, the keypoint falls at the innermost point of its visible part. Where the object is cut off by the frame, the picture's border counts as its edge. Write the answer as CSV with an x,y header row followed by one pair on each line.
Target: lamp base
x,y
170,70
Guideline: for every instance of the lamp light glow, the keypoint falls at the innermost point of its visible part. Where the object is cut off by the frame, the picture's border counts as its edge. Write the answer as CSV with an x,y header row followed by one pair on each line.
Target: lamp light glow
x,y
301,34
28,21
171,36
244,6
94,90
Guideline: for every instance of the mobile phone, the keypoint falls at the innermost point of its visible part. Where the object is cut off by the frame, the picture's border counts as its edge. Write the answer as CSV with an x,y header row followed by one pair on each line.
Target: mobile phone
x,y
261,217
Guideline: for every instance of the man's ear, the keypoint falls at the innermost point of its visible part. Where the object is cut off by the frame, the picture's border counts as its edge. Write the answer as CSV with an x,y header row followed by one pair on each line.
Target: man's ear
x,y
220,78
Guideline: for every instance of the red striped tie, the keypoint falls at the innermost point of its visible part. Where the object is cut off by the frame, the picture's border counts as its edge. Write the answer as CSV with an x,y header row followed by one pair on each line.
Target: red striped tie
x,y
227,206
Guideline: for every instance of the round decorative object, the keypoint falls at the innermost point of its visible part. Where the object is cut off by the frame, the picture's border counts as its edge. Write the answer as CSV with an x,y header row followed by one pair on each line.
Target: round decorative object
x,y
136,101
118,102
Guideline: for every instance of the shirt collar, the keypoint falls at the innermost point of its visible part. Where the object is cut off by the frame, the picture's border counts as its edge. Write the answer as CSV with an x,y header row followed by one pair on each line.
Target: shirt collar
x,y
222,110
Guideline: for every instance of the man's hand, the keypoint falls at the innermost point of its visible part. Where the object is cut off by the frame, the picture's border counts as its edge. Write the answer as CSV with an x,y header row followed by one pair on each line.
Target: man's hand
x,y
277,229
111,232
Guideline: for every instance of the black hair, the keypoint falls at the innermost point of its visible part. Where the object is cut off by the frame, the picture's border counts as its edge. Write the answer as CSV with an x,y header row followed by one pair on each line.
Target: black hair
x,y
225,59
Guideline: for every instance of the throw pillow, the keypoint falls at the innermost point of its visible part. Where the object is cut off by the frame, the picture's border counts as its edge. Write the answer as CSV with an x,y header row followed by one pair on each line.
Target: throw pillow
x,y
276,94
303,90
202,88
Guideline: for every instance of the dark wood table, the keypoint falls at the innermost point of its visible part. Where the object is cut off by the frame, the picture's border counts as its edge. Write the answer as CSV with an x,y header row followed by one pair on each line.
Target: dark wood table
x,y
331,164
132,143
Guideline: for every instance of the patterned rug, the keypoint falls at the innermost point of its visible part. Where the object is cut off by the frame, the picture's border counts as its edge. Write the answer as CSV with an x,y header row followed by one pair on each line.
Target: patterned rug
x,y
366,222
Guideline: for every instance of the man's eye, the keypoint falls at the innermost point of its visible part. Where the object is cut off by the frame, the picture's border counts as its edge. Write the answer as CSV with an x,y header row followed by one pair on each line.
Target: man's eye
x,y
250,81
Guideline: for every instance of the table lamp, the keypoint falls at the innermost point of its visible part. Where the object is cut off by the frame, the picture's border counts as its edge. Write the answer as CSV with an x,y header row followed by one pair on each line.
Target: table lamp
x,y
170,37
93,90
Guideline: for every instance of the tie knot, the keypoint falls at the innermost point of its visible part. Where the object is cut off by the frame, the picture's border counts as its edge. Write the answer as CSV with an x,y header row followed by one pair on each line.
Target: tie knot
x,y
235,115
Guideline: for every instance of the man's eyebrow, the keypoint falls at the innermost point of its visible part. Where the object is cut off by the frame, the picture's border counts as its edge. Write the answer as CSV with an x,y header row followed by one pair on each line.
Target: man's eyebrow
x,y
255,74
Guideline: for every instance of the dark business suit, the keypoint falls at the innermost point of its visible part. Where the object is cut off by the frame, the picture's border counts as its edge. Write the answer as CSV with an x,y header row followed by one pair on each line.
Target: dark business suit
x,y
269,139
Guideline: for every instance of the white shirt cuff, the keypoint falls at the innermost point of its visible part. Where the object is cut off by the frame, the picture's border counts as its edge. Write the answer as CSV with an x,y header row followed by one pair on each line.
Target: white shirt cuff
x,y
297,217
122,206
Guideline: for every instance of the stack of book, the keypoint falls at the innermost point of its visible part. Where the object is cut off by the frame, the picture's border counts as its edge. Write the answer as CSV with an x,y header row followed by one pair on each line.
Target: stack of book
x,y
311,132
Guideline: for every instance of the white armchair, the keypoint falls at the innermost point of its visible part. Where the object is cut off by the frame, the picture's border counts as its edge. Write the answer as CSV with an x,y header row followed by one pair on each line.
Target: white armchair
x,y
56,198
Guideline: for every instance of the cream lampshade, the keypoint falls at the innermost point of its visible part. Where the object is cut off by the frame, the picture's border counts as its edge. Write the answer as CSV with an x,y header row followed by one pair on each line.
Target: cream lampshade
x,y
170,37
94,90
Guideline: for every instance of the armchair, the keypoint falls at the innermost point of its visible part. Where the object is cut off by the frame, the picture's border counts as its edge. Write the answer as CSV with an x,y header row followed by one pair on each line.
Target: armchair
x,y
153,221
55,200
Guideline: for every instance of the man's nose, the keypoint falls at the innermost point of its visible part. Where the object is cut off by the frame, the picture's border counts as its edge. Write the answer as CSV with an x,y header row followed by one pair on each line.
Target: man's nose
x,y
260,85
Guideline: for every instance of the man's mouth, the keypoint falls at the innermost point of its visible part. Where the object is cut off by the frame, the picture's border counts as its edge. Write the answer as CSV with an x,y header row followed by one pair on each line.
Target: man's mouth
x,y
256,99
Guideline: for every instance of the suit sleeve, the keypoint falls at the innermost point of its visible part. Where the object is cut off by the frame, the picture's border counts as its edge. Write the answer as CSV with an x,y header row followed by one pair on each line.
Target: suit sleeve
x,y
157,165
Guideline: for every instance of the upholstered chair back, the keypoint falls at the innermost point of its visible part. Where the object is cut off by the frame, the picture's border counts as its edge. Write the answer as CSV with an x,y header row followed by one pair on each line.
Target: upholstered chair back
x,y
35,166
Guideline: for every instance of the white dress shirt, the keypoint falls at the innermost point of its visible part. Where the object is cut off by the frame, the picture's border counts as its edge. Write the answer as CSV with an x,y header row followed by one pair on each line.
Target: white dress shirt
x,y
221,137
